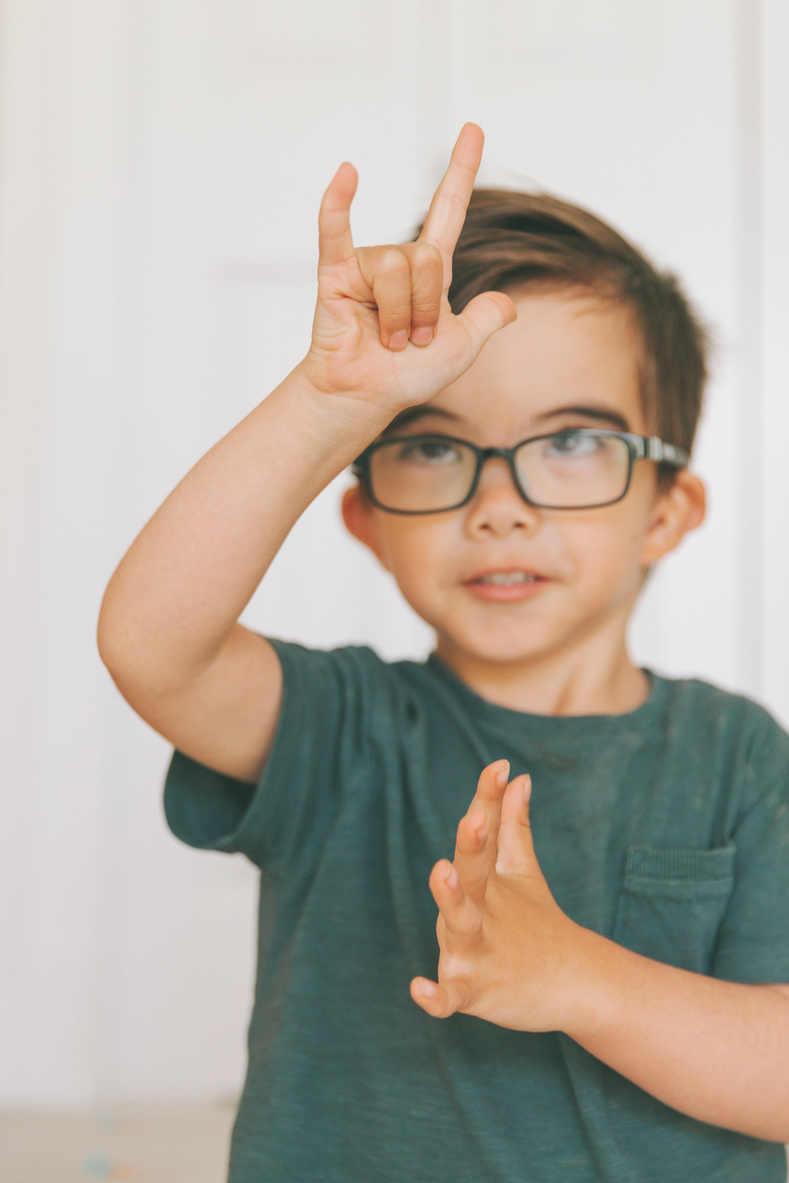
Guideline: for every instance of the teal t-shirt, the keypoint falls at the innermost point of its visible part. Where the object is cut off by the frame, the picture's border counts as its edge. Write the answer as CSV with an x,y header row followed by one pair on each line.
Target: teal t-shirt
x,y
666,829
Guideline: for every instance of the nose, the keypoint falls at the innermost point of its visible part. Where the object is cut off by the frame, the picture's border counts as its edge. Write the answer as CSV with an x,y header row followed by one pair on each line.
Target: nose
x,y
497,506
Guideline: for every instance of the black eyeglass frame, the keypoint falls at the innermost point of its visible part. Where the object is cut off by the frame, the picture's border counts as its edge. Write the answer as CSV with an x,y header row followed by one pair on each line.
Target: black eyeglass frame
x,y
640,447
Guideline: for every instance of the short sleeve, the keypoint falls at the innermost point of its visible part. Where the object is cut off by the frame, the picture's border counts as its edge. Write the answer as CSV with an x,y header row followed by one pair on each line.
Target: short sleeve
x,y
753,941
319,754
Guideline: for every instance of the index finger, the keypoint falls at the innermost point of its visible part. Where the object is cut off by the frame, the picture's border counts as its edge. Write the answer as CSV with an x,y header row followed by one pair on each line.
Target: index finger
x,y
447,211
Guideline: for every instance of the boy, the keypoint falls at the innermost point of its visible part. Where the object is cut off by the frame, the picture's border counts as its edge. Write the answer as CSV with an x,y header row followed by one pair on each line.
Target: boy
x,y
638,1012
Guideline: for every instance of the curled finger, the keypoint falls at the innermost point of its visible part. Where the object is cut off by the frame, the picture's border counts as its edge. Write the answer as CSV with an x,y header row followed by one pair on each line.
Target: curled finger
x,y
462,922
387,270
427,277
472,861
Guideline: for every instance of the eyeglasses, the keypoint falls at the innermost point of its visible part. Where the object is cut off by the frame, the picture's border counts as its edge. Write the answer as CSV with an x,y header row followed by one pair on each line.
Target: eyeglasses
x,y
581,468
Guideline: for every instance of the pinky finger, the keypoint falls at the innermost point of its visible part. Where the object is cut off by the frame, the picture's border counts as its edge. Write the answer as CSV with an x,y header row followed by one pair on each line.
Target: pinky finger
x,y
441,1001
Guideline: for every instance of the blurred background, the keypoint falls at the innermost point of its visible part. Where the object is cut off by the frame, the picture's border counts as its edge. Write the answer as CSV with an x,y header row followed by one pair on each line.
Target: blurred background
x,y
161,167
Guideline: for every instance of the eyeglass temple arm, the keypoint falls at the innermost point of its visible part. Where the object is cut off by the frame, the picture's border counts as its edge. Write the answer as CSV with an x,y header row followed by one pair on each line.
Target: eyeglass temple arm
x,y
657,449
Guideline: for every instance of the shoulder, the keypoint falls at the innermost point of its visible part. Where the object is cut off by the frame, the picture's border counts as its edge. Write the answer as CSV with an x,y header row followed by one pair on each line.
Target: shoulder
x,y
358,661
351,674
726,708
717,725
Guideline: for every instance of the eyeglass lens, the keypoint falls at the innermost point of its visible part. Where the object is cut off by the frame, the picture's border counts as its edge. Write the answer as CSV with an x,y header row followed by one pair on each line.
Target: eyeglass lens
x,y
425,473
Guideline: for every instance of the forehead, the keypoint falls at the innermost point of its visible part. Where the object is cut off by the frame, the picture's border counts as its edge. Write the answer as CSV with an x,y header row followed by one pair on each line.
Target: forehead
x,y
567,353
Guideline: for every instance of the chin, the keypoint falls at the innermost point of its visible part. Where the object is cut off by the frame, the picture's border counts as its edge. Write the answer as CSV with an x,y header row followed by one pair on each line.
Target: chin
x,y
495,650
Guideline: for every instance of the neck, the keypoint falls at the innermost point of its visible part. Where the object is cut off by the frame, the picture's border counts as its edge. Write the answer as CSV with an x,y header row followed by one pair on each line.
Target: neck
x,y
598,680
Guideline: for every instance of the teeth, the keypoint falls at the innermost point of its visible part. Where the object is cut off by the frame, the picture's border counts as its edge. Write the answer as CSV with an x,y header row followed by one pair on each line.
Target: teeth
x,y
507,577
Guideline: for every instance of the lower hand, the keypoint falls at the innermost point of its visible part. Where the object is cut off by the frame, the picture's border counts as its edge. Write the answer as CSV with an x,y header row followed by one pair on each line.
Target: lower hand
x,y
508,953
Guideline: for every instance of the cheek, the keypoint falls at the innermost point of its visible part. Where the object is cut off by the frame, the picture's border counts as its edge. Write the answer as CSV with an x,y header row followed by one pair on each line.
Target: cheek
x,y
415,548
607,554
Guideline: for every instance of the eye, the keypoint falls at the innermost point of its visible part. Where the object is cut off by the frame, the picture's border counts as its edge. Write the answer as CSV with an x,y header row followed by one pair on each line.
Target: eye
x,y
571,445
429,451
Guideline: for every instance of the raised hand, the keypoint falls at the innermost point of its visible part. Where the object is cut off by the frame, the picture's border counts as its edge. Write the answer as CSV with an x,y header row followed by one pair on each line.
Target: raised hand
x,y
507,952
383,332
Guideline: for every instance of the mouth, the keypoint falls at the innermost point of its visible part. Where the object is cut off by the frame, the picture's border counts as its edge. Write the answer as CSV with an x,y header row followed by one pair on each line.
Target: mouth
x,y
505,584
505,578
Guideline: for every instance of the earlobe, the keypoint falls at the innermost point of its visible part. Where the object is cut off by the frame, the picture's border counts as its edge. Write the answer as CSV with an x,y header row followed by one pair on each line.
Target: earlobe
x,y
359,517
678,510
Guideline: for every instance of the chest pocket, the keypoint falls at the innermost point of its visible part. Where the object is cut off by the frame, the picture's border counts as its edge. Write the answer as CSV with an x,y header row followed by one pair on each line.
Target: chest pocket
x,y
673,902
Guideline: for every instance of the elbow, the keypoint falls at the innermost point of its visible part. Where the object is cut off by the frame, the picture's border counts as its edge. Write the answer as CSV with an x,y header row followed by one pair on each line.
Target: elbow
x,y
109,639
119,649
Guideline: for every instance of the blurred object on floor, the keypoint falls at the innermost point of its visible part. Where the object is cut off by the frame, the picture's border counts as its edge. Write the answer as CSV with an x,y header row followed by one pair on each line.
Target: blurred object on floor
x,y
165,1143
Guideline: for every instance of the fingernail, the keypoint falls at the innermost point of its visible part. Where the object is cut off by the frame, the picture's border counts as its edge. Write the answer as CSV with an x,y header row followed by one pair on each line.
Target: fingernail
x,y
526,788
502,774
422,336
427,988
451,876
398,340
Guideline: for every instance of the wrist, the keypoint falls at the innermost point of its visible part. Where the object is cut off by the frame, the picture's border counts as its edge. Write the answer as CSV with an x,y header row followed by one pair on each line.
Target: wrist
x,y
594,990
337,414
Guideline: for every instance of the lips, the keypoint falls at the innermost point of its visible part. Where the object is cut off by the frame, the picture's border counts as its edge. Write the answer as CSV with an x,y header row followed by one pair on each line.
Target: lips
x,y
505,584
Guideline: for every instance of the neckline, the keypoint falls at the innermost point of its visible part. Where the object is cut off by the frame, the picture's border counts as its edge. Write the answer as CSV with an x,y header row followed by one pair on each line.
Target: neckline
x,y
658,687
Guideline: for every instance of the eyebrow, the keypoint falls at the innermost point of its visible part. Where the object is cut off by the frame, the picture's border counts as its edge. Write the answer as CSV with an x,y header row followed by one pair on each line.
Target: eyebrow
x,y
601,414
598,413
410,414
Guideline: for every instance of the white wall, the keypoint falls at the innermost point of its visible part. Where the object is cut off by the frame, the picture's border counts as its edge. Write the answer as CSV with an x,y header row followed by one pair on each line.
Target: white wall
x,y
161,165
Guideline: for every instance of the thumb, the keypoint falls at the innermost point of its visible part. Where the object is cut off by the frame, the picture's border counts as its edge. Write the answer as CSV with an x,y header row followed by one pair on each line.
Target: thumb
x,y
485,315
443,1000
515,846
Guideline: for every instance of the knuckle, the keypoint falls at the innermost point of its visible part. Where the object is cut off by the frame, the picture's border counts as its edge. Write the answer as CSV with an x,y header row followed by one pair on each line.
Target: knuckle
x,y
467,835
470,923
391,261
474,924
478,885
426,256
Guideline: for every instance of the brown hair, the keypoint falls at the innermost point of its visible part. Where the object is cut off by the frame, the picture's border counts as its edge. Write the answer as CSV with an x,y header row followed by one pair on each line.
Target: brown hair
x,y
513,240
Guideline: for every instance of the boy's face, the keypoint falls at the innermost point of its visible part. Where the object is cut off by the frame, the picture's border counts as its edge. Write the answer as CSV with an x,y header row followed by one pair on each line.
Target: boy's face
x,y
568,361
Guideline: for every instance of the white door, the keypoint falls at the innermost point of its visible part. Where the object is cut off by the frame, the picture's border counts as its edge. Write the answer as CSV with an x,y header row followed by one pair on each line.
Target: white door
x,y
162,165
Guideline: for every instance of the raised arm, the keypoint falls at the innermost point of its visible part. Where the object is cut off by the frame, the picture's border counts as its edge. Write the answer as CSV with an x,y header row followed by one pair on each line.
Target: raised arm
x,y
384,338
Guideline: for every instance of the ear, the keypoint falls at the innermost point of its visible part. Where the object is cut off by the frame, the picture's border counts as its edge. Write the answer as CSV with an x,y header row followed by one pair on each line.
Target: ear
x,y
359,515
678,509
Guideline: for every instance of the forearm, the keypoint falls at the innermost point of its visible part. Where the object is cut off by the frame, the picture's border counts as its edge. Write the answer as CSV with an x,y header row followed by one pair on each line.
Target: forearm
x,y
193,568
718,1051
179,591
